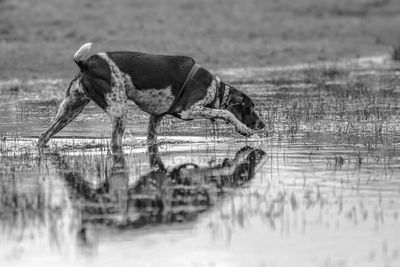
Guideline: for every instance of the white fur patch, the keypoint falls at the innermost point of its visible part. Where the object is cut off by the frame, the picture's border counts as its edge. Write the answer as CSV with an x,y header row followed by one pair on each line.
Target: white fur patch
x,y
225,96
76,87
75,92
152,101
117,99
210,95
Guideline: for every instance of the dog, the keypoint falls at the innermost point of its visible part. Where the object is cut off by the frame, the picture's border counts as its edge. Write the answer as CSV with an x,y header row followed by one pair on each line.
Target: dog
x,y
159,85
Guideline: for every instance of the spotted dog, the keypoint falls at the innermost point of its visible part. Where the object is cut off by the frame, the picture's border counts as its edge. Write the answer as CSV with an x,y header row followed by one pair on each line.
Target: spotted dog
x,y
158,84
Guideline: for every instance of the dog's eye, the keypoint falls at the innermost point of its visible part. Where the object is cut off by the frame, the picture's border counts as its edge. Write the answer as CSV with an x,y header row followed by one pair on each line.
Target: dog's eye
x,y
233,105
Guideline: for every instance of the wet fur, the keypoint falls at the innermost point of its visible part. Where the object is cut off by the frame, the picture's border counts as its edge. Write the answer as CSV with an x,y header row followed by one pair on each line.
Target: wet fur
x,y
153,82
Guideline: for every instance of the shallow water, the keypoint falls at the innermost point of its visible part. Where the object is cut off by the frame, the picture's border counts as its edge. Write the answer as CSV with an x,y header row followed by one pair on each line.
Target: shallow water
x,y
322,190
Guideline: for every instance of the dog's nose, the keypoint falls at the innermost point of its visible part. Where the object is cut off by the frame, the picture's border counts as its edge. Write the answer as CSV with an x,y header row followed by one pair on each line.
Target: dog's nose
x,y
260,125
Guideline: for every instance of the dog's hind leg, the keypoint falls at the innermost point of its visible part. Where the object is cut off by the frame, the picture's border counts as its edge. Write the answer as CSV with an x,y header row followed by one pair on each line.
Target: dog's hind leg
x,y
72,105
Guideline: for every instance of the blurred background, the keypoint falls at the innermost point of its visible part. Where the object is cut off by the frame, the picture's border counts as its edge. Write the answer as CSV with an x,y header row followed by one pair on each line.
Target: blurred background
x,y
39,37
321,190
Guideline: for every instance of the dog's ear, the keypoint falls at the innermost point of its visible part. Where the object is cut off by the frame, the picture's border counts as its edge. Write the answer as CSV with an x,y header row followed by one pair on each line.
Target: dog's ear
x,y
236,97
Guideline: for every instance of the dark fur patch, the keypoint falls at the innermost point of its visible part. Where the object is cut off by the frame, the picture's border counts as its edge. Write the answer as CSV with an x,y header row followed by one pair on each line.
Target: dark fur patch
x,y
195,90
96,80
153,71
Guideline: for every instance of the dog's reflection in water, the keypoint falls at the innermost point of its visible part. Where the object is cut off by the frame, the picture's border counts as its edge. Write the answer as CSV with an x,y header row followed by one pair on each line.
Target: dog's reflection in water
x,y
160,196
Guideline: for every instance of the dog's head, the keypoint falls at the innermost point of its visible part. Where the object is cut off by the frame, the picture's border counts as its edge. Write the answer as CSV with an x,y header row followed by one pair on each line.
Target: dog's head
x,y
242,107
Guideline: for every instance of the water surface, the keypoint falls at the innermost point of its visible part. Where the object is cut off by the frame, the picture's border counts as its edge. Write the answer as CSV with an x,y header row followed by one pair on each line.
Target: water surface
x,y
322,190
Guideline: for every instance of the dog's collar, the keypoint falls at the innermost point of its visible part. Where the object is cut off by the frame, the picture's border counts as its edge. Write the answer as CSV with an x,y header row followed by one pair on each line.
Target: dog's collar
x,y
223,93
190,75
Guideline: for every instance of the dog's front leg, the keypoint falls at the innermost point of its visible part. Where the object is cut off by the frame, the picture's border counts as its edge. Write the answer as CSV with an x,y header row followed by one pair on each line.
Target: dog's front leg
x,y
70,107
118,129
154,122
199,112
152,148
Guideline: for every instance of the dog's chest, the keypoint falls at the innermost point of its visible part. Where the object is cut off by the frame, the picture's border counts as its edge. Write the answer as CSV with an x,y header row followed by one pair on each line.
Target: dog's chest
x,y
152,101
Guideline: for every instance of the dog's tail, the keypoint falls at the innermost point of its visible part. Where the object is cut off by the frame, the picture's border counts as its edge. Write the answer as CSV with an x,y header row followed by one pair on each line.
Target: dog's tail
x,y
82,55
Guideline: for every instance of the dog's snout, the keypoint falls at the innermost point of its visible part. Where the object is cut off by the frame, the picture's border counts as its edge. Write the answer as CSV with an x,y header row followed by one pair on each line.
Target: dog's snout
x,y
261,124
258,125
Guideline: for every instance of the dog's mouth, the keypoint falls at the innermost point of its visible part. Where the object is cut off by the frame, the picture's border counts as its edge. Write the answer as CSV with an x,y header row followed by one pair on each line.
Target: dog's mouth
x,y
258,125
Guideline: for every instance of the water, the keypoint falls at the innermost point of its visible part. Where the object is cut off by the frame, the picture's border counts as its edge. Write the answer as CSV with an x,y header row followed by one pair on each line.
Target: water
x,y
322,190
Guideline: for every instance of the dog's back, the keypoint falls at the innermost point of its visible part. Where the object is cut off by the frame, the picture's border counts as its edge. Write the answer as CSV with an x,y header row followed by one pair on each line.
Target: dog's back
x,y
147,71
148,74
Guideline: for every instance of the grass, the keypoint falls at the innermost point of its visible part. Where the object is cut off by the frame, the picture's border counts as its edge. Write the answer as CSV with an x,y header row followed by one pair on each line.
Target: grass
x,y
337,104
396,51
325,73
40,37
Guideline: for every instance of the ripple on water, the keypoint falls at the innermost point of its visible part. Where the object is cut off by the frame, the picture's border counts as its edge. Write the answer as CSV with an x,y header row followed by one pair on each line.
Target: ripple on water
x,y
322,190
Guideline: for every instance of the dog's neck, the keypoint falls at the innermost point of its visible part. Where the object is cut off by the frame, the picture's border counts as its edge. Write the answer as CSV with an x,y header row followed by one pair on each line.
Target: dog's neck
x,y
223,95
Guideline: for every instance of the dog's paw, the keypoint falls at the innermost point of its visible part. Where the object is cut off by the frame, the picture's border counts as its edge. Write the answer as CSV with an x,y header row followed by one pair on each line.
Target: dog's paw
x,y
41,144
41,141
